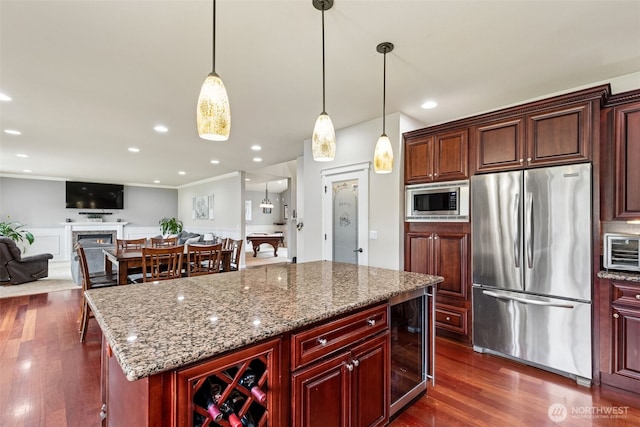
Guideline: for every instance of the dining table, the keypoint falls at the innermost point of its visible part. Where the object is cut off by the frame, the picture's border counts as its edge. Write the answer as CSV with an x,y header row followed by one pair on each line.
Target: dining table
x,y
127,259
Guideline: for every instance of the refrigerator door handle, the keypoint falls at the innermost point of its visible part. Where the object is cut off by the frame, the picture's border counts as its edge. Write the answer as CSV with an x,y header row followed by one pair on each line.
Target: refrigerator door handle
x,y
526,301
516,227
529,231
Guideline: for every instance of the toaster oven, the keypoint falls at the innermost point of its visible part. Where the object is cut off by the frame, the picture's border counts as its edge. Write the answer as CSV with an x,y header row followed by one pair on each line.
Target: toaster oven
x,y
621,252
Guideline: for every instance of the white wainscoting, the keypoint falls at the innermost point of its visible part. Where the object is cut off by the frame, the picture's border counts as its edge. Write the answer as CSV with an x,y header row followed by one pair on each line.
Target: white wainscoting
x,y
46,240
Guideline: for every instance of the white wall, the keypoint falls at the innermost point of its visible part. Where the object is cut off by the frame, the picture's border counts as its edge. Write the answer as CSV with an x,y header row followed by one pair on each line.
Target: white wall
x,y
355,145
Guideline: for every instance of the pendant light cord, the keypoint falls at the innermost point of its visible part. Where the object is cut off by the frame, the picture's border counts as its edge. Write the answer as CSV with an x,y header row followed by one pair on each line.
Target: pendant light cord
x,y
384,91
323,78
213,44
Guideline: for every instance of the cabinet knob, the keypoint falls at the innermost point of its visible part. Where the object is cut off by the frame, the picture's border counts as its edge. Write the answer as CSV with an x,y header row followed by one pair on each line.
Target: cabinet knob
x,y
322,341
528,159
435,237
356,362
349,367
638,296
616,315
435,174
521,160
430,237
448,318
371,322
430,175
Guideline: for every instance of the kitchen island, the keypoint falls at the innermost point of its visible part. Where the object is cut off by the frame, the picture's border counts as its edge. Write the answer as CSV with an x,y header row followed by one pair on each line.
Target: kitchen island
x,y
169,346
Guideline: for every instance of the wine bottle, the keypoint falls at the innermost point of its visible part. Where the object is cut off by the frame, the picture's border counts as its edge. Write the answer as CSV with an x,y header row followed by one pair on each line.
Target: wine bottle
x,y
206,398
250,382
228,412
198,420
238,400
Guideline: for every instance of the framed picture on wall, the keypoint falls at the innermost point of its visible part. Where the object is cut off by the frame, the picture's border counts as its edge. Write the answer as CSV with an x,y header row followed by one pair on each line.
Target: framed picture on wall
x,y
202,207
247,210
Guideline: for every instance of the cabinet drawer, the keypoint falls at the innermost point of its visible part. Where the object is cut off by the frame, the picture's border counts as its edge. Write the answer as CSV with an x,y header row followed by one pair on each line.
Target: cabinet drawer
x,y
626,294
451,318
314,343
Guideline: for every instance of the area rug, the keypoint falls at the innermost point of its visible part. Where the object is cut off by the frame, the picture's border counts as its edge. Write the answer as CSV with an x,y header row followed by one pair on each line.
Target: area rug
x,y
59,280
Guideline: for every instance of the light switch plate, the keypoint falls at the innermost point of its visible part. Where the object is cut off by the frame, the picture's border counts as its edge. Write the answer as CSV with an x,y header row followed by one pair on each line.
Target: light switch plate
x,y
373,234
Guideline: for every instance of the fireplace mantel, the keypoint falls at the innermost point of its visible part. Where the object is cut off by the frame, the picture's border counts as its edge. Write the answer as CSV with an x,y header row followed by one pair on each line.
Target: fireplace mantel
x,y
70,227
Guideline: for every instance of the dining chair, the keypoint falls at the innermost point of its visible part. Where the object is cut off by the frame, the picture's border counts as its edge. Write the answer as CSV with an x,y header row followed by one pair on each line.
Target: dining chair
x,y
162,263
90,281
163,242
135,244
236,247
226,242
204,259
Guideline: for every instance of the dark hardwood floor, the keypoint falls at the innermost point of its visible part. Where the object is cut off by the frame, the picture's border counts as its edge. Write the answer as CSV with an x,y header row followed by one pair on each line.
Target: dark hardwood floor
x,y
48,378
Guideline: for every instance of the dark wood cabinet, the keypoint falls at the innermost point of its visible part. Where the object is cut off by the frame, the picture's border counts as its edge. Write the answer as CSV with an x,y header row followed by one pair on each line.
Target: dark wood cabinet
x,y
437,157
627,160
556,135
444,250
345,380
620,335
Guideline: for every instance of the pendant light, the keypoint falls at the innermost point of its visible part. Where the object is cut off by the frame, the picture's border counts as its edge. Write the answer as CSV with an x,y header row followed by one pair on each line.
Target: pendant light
x,y
266,203
213,115
323,142
383,153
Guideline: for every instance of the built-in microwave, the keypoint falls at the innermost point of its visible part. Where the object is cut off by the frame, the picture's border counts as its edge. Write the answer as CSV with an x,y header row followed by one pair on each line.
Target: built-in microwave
x,y
621,252
437,202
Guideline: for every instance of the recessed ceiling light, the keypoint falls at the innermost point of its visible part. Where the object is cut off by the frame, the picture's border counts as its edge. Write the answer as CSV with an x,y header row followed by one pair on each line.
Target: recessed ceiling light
x,y
157,181
161,129
182,173
26,170
21,155
279,182
247,179
257,159
4,97
256,148
215,162
429,104
12,132
134,149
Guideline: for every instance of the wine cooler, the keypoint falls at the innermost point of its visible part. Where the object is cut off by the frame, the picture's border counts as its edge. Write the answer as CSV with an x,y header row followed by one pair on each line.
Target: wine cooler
x,y
412,345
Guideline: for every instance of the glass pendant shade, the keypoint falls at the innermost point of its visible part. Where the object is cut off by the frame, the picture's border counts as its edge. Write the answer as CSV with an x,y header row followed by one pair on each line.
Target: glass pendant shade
x,y
323,142
213,113
383,155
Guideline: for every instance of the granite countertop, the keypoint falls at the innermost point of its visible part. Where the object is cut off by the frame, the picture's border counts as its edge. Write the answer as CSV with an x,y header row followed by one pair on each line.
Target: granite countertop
x,y
620,275
153,328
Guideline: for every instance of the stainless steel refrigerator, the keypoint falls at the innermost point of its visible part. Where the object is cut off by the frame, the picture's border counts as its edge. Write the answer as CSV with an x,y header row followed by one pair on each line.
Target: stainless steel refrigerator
x,y
532,251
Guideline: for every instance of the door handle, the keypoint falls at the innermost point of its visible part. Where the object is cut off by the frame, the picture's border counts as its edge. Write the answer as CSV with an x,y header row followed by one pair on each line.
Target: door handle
x,y
358,250
516,227
529,231
526,301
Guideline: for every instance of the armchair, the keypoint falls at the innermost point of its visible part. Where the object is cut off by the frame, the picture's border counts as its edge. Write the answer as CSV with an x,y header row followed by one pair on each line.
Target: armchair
x,y
16,269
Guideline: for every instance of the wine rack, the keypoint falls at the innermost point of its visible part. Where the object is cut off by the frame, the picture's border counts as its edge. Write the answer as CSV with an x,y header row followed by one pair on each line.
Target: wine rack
x,y
226,389
240,389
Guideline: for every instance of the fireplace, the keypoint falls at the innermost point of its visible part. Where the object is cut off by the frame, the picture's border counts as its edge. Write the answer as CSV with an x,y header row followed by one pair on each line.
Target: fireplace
x,y
97,236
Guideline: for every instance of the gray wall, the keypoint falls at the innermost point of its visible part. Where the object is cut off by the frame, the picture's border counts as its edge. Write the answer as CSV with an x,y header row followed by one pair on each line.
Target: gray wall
x,y
260,218
41,204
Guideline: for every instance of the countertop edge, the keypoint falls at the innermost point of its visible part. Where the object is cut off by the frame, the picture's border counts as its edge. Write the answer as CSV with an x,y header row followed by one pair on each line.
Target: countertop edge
x,y
619,275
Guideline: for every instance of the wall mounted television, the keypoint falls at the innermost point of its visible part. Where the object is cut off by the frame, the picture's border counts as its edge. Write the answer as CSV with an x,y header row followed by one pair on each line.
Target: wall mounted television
x,y
92,195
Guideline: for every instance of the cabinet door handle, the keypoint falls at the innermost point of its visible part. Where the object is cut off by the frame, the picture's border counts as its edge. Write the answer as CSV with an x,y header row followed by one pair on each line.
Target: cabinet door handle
x,y
638,296
371,322
349,367
528,159
322,341
435,237
435,174
448,318
430,175
521,160
356,362
616,315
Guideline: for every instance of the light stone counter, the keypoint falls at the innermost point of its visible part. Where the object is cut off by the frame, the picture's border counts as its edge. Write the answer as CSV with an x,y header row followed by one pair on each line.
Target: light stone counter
x,y
619,275
153,328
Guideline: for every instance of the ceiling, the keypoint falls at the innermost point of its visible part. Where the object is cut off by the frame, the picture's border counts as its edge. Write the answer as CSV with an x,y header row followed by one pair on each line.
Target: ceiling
x,y
90,79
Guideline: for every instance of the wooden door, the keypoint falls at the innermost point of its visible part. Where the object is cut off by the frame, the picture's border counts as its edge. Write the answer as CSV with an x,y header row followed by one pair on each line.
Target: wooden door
x,y
451,156
450,260
419,253
626,342
627,161
418,161
322,393
559,135
371,382
499,146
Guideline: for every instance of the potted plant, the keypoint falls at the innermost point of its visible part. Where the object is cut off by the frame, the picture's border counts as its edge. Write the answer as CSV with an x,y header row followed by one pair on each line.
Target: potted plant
x,y
14,231
170,226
